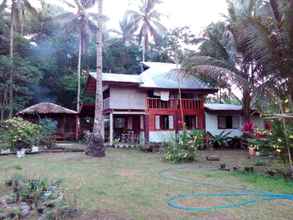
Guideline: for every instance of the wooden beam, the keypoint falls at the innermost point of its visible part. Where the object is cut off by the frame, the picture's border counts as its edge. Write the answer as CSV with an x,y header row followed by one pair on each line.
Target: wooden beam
x,y
111,136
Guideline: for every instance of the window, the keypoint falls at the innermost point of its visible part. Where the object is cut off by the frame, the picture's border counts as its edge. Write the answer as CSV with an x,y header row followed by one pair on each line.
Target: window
x,y
228,122
119,122
190,122
164,122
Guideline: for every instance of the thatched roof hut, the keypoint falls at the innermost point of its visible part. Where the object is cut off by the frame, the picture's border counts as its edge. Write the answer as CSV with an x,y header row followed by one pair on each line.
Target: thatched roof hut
x,y
67,119
46,108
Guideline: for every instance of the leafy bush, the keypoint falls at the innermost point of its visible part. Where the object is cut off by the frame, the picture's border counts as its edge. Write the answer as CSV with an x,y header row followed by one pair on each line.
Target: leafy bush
x,y
185,148
48,129
19,133
44,199
280,140
220,140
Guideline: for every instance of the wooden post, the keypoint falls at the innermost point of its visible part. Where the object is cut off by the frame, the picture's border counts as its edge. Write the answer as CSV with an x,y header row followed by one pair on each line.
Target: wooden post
x,y
146,129
111,128
77,127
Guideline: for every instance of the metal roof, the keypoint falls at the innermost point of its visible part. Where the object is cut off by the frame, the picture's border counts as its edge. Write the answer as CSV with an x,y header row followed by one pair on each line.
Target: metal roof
x,y
160,76
223,107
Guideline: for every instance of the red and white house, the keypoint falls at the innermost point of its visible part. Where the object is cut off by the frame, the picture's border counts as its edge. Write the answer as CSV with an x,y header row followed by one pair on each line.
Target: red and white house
x,y
146,107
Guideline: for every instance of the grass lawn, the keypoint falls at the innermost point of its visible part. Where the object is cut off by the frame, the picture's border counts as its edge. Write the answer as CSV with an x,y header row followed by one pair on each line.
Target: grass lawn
x,y
134,185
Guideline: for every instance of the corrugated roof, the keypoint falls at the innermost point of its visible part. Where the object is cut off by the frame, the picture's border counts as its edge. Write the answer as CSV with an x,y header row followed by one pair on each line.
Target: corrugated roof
x,y
46,108
158,75
223,107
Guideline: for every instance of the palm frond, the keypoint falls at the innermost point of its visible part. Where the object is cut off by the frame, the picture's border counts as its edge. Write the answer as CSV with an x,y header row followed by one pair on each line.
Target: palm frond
x,y
3,5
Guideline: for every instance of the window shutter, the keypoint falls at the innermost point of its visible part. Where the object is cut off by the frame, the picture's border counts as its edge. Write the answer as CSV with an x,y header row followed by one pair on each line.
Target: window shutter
x,y
236,122
221,122
157,122
171,122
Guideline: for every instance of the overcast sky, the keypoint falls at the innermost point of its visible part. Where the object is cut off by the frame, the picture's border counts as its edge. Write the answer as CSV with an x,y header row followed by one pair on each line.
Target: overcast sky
x,y
194,13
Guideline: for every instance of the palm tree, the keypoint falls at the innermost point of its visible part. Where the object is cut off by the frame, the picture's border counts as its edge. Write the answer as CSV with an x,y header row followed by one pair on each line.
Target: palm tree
x,y
83,21
268,39
17,17
147,21
126,29
96,140
222,59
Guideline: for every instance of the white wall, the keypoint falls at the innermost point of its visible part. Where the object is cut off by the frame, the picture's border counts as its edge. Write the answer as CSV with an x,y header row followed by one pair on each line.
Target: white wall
x,y
161,136
127,98
212,126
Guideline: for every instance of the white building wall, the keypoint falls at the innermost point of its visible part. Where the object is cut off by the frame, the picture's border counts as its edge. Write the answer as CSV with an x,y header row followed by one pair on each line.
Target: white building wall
x,y
212,126
161,136
127,98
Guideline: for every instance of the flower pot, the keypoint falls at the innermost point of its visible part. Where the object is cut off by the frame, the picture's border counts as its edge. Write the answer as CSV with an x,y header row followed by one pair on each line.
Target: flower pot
x,y
35,149
5,151
251,151
20,153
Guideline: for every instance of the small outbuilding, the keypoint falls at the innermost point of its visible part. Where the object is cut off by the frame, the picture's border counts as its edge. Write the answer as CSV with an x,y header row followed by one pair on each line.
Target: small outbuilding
x,y
67,119
228,118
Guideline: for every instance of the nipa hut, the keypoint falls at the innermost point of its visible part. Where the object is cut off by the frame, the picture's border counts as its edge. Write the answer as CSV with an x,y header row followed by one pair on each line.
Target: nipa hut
x,y
67,120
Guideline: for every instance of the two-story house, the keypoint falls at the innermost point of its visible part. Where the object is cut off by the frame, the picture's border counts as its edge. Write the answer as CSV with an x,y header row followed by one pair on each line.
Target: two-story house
x,y
146,107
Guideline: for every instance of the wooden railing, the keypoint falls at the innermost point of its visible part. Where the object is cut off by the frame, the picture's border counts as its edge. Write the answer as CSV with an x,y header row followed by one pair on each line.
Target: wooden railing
x,y
155,103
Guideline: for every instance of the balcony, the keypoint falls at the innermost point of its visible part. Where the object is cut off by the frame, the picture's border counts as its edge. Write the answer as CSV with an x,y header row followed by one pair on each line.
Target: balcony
x,y
174,104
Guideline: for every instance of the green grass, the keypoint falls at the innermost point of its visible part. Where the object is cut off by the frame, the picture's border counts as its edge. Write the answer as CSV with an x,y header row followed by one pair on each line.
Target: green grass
x,y
129,183
266,183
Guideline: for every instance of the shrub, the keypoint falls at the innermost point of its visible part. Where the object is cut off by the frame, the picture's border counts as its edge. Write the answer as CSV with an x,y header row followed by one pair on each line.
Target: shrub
x,y
48,129
185,148
19,133
220,140
44,199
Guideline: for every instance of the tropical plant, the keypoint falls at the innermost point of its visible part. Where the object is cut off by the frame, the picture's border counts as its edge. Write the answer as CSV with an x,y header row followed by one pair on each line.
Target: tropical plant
x,y
17,18
48,128
220,140
25,74
267,38
126,29
96,139
146,20
19,133
185,148
84,23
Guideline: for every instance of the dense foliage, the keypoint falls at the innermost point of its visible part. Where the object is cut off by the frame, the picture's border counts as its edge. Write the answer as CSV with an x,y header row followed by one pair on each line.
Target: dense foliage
x,y
19,133
30,198
185,149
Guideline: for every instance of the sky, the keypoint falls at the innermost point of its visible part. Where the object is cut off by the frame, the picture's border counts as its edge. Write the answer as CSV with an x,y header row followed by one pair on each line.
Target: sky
x,y
194,13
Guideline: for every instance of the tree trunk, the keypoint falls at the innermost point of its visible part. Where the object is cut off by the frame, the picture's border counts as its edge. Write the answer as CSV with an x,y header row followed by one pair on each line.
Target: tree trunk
x,y
78,73
143,49
96,140
246,102
290,93
11,54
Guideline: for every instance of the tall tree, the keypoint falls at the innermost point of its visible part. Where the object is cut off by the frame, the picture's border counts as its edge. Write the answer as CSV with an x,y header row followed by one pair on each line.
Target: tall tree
x,y
268,39
96,140
147,21
224,58
84,23
18,9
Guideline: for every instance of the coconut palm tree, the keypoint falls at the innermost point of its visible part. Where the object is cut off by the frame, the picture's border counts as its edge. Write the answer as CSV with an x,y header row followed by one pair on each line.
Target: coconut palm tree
x,y
147,21
84,22
96,139
268,39
127,28
224,57
17,18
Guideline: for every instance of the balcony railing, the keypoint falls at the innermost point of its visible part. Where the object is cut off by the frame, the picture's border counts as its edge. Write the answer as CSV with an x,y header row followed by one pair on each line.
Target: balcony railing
x,y
174,104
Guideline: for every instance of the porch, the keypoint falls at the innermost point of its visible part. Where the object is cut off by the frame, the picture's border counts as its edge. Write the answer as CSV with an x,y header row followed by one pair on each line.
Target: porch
x,y
125,127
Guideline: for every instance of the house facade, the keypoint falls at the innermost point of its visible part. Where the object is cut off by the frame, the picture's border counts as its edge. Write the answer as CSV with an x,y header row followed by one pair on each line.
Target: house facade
x,y
228,118
146,108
